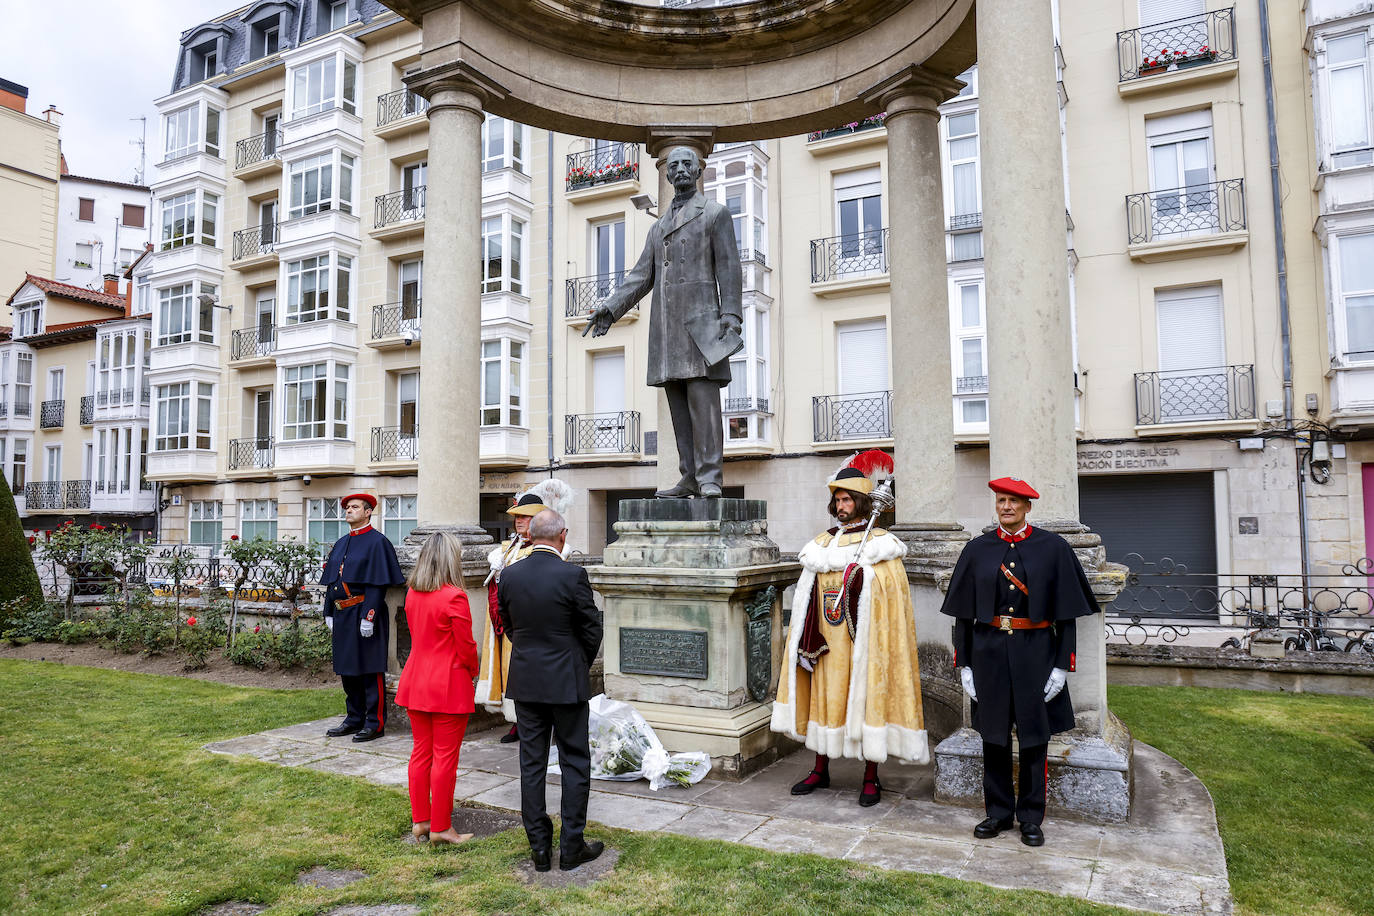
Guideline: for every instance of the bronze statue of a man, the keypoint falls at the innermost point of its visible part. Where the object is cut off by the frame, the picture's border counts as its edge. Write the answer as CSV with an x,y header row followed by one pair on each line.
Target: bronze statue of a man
x,y
691,263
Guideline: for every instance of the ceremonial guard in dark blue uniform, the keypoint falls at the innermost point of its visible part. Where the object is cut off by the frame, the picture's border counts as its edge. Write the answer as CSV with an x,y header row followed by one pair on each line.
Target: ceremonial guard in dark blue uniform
x,y
1015,594
361,567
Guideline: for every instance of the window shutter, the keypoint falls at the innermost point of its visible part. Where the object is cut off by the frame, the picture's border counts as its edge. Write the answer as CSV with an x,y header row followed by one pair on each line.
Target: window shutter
x,y
863,357
85,208
1155,11
1190,330
608,382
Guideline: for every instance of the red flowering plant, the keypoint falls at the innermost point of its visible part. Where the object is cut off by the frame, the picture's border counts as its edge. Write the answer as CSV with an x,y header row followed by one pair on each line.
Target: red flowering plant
x,y
246,558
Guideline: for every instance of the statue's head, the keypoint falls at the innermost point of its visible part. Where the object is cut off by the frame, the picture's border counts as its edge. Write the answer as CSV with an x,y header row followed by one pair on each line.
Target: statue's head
x,y
683,167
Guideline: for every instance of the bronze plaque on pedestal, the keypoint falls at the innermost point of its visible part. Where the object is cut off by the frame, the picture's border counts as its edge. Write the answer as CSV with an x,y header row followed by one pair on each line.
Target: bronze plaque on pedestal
x,y
676,653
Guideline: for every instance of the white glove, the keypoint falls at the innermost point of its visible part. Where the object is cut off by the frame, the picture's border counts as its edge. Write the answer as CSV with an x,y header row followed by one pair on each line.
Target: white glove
x,y
329,622
366,629
966,678
1055,684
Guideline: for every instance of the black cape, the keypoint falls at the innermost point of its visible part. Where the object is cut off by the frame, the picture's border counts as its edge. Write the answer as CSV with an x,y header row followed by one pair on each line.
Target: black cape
x,y
1058,588
369,568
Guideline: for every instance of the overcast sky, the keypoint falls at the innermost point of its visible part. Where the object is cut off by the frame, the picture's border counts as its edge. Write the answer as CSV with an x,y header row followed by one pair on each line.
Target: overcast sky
x,y
101,64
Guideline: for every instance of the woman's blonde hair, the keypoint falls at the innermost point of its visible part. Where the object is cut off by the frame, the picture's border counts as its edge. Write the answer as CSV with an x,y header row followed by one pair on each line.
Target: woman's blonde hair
x,y
440,563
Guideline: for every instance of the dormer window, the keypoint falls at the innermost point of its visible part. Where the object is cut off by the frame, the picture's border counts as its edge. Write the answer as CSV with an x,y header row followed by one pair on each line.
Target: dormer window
x,y
324,84
268,21
209,65
338,14
271,41
26,318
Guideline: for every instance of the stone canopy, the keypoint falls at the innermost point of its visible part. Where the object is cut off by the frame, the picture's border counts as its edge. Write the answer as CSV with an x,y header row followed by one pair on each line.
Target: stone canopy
x,y
755,70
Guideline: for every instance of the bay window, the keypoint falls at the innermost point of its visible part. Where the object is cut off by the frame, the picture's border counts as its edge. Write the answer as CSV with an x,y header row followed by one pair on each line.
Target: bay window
x,y
313,184
323,85
184,413
182,134
318,288
502,252
503,382
315,398
183,213
969,356
747,404
183,316
1353,295
503,144
115,367
1348,109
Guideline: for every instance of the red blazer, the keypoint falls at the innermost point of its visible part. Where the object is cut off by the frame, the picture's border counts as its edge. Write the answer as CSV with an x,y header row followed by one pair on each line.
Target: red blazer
x,y
443,660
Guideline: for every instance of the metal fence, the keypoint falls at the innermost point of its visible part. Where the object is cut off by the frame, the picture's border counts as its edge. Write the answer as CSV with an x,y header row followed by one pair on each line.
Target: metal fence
x,y
838,417
393,319
393,106
399,206
1165,602
601,165
972,384
51,413
844,256
23,408
249,343
252,150
396,443
257,452
1200,209
87,410
43,494
1190,395
78,494
585,294
255,240
1177,44
609,433
740,405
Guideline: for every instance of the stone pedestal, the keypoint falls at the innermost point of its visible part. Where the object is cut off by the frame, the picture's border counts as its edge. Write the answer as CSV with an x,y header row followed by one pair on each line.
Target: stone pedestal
x,y
1090,774
679,588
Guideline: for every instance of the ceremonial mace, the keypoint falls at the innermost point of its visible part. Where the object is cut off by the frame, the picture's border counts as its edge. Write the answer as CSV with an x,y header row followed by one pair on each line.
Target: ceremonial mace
x,y
883,500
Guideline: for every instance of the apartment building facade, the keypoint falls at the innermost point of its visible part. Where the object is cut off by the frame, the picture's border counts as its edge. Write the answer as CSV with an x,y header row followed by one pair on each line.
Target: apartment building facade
x,y
103,226
30,163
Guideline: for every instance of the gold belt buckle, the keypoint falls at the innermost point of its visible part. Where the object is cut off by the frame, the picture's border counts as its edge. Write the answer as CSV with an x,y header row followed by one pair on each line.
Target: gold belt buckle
x,y
1006,624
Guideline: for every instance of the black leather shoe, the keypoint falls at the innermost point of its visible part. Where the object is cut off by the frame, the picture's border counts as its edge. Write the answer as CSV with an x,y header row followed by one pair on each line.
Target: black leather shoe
x,y
868,799
806,788
567,861
710,491
990,828
1032,835
542,858
368,734
682,490
339,731
510,737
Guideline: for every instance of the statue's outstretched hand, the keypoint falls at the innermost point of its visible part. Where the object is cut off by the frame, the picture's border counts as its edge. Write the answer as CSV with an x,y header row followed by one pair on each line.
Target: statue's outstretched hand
x,y
730,324
600,322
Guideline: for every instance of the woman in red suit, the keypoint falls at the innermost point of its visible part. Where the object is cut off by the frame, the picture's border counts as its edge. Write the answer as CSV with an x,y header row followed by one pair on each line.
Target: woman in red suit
x,y
436,685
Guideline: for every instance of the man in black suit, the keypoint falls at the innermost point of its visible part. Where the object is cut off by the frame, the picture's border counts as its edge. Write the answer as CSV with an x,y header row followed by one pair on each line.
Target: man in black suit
x,y
546,608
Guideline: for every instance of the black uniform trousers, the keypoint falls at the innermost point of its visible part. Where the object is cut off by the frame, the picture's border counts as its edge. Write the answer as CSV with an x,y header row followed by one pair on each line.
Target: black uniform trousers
x,y
567,722
363,695
1028,802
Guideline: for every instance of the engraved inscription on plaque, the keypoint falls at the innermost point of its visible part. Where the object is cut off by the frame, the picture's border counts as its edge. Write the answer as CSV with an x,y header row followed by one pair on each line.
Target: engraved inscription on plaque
x,y
677,653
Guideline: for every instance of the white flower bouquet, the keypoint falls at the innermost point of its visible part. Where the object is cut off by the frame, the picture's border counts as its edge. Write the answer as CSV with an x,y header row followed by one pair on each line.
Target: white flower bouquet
x,y
625,748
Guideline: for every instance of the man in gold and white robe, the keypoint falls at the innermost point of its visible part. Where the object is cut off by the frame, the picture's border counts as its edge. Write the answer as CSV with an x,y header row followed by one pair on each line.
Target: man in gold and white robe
x,y
850,684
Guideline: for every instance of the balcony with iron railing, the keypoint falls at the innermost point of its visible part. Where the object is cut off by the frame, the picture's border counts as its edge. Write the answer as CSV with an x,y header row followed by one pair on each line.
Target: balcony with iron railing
x,y
971,384
4,409
844,130
51,413
23,408
399,212
1176,46
255,242
259,151
396,109
744,405
256,453
397,322
603,165
1186,221
586,294
78,494
844,417
87,410
861,256
252,343
395,443
44,494
121,397
1212,394
601,433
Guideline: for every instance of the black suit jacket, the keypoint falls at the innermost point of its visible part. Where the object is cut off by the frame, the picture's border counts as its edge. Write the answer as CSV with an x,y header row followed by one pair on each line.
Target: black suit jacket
x,y
554,627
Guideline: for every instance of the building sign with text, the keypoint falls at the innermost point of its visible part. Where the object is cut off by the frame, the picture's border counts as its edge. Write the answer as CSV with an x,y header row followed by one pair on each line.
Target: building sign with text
x,y
1127,457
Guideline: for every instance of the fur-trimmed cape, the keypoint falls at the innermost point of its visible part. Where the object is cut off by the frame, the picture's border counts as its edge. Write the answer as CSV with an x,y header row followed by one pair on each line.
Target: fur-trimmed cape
x,y
882,698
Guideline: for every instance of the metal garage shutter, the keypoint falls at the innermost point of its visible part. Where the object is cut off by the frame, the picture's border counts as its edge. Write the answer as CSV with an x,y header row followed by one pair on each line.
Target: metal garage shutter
x,y
1157,516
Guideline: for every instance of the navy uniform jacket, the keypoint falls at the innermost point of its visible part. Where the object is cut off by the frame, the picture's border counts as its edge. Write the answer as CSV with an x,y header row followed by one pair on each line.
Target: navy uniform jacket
x,y
1010,669
367,562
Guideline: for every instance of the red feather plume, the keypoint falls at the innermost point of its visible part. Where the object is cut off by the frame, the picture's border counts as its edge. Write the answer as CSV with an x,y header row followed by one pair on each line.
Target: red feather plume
x,y
870,461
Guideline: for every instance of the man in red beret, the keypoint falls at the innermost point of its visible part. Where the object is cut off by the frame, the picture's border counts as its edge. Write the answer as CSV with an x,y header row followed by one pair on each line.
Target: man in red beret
x,y
1015,594
361,567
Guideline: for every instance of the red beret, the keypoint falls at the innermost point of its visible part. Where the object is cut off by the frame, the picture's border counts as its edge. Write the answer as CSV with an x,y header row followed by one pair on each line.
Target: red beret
x,y
1014,486
365,497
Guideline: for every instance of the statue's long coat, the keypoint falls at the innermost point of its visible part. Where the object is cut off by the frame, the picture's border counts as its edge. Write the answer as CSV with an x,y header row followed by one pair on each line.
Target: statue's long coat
x,y
691,263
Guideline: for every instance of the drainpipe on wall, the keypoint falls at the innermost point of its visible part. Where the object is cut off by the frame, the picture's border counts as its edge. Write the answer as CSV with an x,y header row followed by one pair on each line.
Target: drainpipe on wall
x,y
548,325
1281,259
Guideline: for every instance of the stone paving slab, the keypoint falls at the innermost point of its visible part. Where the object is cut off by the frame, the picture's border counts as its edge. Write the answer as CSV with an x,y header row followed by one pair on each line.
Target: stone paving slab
x,y
1167,859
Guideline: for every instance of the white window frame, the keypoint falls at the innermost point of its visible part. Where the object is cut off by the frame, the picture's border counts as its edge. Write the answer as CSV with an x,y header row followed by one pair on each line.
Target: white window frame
x,y
23,383
324,520
960,333
185,416
852,187
324,84
258,516
205,517
28,318
189,218
1347,156
508,357
181,315
503,245
182,133
399,516
307,299
315,401
1340,294
504,143
319,183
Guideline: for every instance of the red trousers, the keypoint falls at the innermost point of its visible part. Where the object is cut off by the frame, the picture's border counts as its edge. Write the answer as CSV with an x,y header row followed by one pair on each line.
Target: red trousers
x,y
434,766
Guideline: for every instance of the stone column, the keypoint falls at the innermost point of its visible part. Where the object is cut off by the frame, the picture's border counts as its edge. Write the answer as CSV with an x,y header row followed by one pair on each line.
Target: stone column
x,y
922,423
658,143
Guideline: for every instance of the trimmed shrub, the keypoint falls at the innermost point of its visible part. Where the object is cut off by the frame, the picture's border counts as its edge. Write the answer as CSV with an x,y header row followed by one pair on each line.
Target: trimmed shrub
x,y
18,576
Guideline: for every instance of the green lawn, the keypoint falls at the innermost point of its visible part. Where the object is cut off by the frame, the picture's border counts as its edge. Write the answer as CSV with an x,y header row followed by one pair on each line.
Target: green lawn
x,y
1292,777
106,784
